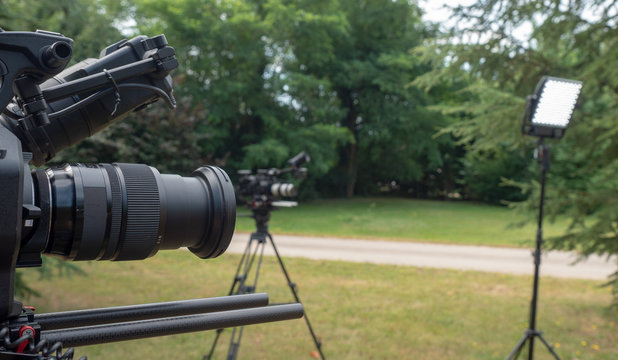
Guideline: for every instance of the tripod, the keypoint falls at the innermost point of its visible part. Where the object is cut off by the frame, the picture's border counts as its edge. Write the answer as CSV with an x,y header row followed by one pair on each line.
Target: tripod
x,y
255,250
532,332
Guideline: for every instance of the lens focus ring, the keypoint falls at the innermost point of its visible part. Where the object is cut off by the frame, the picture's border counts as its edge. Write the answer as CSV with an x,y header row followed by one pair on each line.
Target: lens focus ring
x,y
143,210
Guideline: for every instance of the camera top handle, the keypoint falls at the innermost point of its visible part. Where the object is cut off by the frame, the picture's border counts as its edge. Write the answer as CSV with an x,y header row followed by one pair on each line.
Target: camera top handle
x,y
26,60
161,60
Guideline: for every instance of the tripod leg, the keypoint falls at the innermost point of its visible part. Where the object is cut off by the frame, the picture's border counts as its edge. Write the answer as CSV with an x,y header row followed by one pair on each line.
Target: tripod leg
x,y
238,284
551,349
243,288
214,344
318,344
232,353
520,345
243,260
260,246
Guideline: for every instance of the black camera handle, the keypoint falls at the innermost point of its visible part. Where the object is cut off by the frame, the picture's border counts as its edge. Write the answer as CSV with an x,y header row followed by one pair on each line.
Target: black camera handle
x,y
161,60
26,60
295,163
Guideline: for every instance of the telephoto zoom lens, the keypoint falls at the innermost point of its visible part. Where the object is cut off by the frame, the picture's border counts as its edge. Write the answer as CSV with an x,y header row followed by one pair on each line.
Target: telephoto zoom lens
x,y
131,211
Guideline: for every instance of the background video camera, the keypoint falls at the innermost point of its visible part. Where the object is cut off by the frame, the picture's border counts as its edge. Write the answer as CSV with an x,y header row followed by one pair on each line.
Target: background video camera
x,y
97,211
262,193
264,189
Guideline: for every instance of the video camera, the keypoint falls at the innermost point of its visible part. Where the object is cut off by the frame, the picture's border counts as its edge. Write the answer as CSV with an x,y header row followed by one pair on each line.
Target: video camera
x,y
262,192
100,211
264,188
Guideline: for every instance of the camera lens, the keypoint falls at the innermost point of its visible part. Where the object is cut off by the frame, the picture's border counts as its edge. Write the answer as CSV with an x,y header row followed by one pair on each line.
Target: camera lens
x,y
283,189
130,211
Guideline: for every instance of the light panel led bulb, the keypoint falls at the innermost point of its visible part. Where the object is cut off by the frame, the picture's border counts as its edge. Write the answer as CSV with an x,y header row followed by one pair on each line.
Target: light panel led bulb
x,y
556,102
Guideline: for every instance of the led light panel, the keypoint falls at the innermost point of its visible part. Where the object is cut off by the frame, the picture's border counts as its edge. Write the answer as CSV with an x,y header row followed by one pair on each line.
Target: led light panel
x,y
556,102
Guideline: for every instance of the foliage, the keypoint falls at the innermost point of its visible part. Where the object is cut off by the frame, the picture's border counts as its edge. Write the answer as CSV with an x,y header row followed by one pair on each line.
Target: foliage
x,y
572,39
275,77
89,23
486,173
263,80
233,111
367,62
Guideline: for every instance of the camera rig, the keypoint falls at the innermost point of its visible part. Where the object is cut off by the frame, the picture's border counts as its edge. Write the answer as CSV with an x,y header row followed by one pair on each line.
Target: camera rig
x,y
262,191
100,211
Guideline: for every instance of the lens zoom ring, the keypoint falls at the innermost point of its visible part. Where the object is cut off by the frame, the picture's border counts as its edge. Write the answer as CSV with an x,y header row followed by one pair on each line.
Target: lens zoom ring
x,y
143,212
116,217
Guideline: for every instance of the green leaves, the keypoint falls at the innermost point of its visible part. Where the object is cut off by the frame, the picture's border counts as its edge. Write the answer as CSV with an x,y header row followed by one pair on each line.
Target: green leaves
x,y
89,23
277,77
499,68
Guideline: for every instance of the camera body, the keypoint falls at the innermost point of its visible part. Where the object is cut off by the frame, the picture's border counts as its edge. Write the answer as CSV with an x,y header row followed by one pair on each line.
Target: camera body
x,y
264,189
27,59
92,211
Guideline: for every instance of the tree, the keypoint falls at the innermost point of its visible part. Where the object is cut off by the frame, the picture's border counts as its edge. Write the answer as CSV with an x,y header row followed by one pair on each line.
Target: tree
x,y
331,77
361,50
572,39
231,76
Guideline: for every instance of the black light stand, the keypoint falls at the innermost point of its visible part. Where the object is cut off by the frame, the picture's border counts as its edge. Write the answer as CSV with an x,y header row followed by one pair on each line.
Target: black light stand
x,y
255,249
532,332
547,115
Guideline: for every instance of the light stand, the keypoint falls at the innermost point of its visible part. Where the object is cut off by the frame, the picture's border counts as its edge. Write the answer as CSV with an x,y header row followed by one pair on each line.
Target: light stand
x,y
532,332
547,115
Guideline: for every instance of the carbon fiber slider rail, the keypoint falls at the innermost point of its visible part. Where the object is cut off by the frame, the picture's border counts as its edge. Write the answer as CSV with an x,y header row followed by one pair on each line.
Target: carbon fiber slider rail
x,y
119,314
101,334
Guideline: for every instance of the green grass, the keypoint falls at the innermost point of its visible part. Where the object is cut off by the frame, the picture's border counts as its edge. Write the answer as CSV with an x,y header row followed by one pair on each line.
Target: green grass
x,y
361,311
405,220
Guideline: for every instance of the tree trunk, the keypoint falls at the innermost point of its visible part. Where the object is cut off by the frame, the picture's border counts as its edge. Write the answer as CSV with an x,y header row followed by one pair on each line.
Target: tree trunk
x,y
350,161
352,168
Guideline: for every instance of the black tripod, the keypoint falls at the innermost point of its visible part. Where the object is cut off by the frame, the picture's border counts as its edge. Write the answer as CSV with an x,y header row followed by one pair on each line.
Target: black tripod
x,y
255,249
532,332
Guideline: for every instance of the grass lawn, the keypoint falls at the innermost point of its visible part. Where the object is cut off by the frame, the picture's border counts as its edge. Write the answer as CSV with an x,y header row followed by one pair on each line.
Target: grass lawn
x,y
405,220
361,311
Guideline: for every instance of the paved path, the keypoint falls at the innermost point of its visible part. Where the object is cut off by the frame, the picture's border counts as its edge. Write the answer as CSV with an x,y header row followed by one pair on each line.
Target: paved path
x,y
480,258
